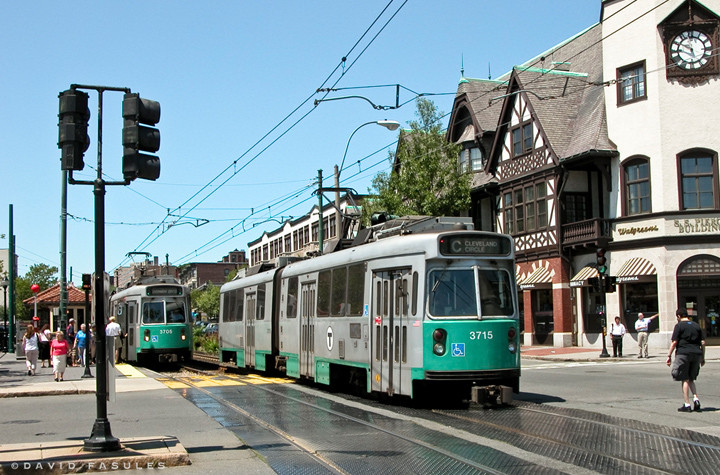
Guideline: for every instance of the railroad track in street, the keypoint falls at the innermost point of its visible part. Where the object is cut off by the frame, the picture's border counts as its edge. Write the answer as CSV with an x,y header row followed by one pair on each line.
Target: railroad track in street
x,y
575,440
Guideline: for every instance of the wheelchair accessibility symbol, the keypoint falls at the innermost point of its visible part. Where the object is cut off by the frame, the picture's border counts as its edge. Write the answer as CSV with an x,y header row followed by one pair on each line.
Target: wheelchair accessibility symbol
x,y
155,339
457,349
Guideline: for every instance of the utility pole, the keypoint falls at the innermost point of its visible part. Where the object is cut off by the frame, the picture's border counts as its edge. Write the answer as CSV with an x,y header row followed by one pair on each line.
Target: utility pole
x,y
63,251
320,213
11,264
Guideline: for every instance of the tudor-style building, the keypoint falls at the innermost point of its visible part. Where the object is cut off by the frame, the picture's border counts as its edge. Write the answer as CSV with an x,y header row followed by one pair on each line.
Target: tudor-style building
x,y
606,141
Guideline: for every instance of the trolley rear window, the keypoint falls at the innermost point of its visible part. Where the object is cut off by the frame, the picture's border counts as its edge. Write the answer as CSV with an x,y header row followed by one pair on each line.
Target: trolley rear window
x,y
475,245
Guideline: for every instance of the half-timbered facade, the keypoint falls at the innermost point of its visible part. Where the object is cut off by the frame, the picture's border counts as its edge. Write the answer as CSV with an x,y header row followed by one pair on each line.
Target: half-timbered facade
x,y
587,147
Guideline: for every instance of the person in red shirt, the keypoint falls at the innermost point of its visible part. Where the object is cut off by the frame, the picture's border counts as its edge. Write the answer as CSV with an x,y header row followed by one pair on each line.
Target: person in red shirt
x,y
59,350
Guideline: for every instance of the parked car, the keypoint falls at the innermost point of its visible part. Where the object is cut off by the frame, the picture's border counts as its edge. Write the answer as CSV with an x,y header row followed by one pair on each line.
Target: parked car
x,y
211,329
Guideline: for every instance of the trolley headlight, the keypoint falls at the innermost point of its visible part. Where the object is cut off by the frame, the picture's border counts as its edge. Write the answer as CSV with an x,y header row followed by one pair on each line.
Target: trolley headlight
x,y
147,334
439,336
512,347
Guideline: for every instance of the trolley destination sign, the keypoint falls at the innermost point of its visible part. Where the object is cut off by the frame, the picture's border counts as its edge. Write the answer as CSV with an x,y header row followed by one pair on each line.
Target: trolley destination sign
x,y
474,245
164,290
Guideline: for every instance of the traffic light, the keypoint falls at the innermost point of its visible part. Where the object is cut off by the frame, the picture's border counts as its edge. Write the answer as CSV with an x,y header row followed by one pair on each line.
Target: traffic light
x,y
609,284
73,138
601,261
140,138
595,284
87,281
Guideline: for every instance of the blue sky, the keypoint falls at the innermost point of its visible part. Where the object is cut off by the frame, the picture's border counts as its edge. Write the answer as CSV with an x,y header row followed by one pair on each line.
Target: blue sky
x,y
226,73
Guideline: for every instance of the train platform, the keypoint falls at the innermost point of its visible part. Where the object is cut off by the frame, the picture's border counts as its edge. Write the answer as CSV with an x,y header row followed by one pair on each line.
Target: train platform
x,y
46,423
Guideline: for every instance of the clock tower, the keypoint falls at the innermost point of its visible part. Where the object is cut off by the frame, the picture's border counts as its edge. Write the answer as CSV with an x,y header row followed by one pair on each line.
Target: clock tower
x,y
690,39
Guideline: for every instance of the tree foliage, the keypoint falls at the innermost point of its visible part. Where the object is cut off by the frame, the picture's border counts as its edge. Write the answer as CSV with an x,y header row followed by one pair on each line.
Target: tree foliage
x,y
41,274
428,182
207,300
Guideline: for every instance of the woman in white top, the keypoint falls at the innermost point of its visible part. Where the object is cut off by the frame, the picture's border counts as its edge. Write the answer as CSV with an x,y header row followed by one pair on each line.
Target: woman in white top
x,y
31,345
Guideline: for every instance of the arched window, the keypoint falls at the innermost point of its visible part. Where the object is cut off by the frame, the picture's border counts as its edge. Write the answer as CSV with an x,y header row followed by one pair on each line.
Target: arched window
x,y
636,186
698,179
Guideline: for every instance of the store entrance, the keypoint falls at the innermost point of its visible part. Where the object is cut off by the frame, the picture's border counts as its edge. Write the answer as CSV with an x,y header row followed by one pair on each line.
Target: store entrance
x,y
703,306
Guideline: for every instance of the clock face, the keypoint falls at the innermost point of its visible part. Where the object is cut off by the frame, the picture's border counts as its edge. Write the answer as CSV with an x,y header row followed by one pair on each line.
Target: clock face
x,y
691,49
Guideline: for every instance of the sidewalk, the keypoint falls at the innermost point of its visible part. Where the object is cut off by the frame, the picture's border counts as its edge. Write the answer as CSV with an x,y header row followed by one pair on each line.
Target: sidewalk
x,y
575,353
144,406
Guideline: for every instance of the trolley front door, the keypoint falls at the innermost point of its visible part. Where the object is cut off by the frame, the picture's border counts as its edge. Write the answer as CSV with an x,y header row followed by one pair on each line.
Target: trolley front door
x,y
390,327
250,311
132,340
307,329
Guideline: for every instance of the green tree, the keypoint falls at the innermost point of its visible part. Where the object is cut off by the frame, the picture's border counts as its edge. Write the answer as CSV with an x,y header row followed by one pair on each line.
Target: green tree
x,y
41,274
207,300
428,182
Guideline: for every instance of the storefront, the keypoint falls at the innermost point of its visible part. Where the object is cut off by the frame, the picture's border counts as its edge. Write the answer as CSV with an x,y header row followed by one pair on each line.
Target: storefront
x,y
539,287
698,287
638,288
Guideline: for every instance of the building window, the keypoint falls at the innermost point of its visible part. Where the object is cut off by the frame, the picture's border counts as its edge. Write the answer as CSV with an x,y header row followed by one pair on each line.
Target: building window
x,y
698,180
636,177
463,161
631,83
525,208
522,139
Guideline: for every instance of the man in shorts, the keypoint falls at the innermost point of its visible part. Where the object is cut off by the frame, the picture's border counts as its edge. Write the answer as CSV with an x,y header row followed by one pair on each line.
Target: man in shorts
x,y
689,343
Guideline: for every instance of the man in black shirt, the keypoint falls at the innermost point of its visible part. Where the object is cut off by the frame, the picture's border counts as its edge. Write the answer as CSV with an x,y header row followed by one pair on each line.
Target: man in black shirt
x,y
689,341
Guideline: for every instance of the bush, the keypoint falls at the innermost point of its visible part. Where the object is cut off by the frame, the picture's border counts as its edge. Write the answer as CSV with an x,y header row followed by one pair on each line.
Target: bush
x,y
205,343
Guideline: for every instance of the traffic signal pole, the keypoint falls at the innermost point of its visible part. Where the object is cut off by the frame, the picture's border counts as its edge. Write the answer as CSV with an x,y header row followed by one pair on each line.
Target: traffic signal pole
x,y
73,141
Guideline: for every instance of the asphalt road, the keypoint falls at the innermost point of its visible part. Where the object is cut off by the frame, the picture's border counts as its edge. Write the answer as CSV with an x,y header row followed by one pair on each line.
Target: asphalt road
x,y
639,389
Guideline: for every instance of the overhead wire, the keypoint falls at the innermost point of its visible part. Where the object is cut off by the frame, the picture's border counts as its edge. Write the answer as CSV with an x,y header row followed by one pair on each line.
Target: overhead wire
x,y
145,242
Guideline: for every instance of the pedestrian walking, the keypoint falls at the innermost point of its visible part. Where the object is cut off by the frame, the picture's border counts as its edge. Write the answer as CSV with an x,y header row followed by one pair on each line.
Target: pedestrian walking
x,y
641,326
617,331
688,343
59,350
44,353
81,344
31,345
70,337
114,330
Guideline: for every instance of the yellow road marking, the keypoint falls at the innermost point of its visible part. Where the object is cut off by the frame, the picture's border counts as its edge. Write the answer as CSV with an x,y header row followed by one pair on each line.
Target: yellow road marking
x,y
129,371
175,384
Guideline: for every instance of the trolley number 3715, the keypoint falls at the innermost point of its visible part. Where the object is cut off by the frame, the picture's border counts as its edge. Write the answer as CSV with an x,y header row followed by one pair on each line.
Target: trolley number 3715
x,y
481,335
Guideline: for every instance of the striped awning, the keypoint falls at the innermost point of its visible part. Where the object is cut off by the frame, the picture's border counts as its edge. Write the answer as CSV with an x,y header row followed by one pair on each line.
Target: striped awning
x,y
637,269
540,278
581,278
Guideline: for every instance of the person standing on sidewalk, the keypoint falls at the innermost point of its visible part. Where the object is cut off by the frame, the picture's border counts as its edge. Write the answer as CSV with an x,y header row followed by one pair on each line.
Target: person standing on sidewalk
x,y
641,326
59,350
617,331
114,330
688,342
31,345
81,344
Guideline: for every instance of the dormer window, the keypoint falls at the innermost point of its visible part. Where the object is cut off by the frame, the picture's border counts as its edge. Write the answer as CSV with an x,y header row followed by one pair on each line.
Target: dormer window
x,y
522,139
471,159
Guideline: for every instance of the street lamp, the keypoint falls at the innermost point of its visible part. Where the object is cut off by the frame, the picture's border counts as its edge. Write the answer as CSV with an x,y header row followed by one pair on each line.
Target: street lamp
x,y
4,283
391,125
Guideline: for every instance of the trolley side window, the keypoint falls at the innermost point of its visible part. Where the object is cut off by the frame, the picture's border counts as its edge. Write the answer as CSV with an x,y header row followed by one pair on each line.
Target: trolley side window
x,y
414,293
230,313
323,294
225,312
239,304
356,290
260,314
153,312
292,295
337,294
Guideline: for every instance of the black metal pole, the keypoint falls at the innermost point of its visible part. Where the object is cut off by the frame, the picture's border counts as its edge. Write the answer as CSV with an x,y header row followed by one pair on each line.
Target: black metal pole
x,y
87,373
604,353
101,438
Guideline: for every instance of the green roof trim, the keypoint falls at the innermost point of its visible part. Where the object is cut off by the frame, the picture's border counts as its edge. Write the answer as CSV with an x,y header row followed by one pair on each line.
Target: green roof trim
x,y
551,71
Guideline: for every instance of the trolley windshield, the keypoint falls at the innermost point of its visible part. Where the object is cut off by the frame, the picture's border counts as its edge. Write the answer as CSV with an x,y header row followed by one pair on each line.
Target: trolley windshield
x,y
163,311
458,292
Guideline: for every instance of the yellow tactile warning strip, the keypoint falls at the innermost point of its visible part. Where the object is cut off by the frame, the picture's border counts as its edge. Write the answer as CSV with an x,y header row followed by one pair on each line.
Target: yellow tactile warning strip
x,y
202,381
129,371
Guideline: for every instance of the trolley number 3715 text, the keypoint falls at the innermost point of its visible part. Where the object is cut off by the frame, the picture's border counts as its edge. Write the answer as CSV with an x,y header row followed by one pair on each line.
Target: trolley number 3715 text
x,y
481,335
